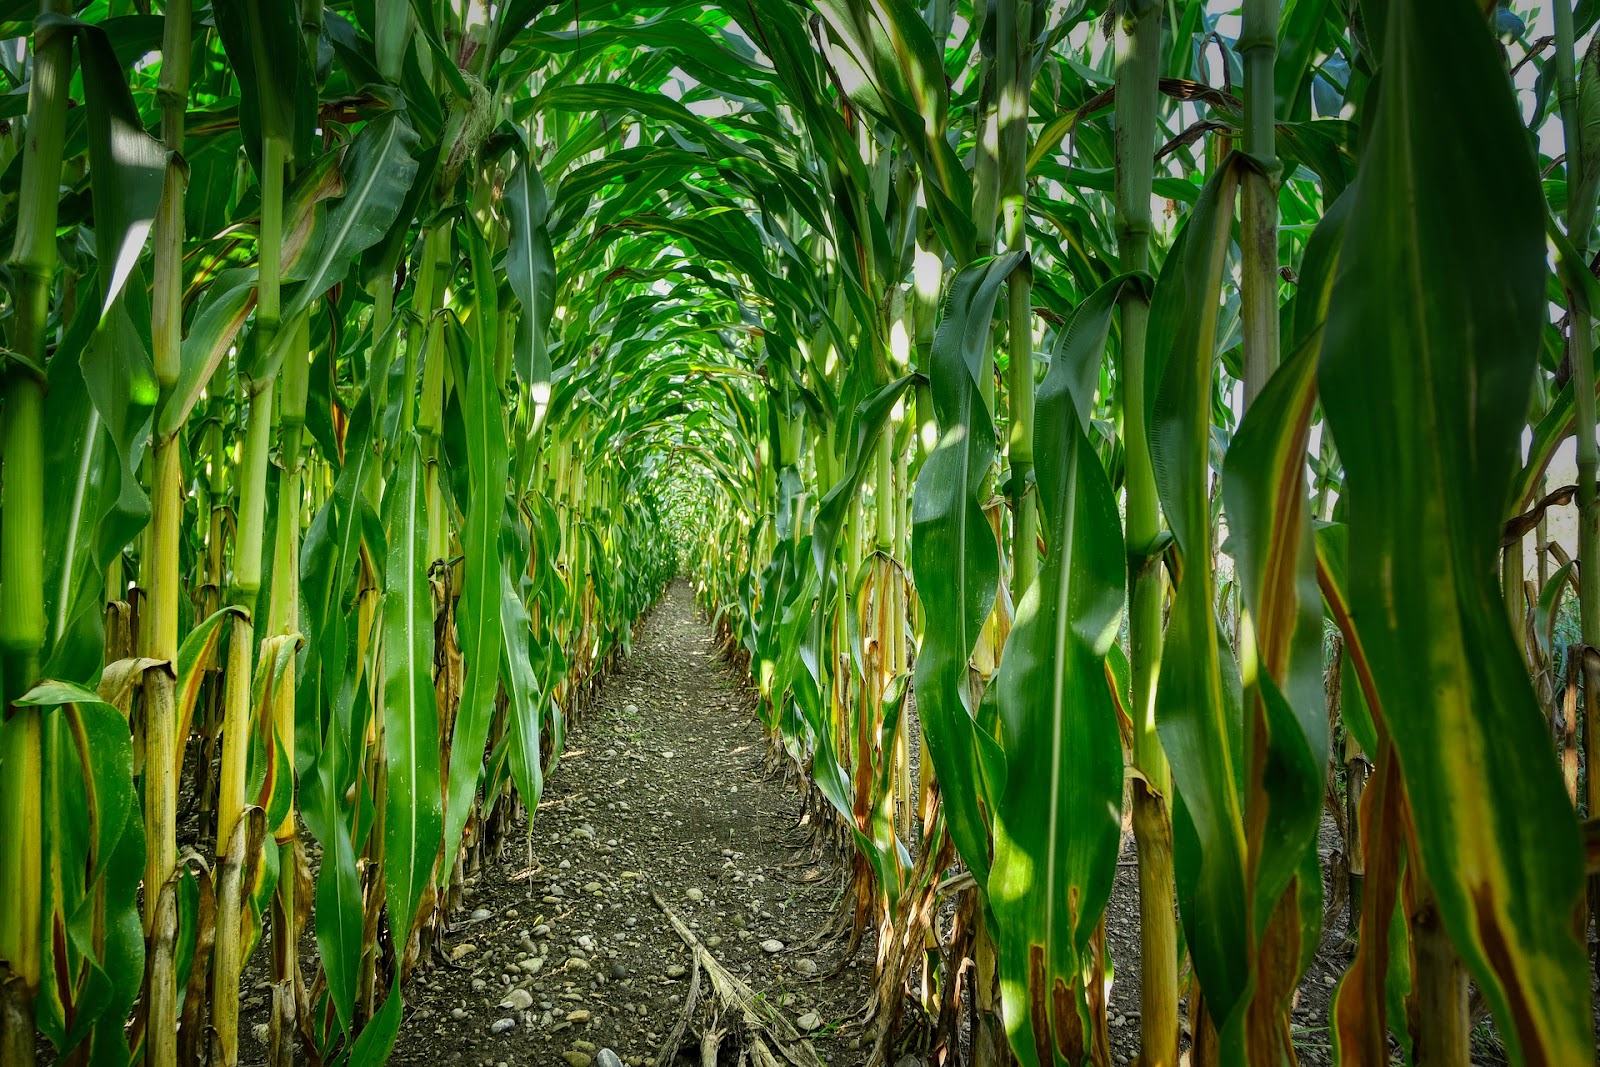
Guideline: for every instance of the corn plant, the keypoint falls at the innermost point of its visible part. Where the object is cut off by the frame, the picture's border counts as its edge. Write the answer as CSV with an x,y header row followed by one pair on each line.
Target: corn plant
x,y
1034,393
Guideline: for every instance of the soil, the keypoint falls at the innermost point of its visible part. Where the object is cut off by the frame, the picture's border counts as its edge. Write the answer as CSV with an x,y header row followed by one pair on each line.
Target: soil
x,y
662,786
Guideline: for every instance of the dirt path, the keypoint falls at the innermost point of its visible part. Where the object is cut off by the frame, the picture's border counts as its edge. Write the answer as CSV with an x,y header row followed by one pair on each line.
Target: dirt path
x,y
661,785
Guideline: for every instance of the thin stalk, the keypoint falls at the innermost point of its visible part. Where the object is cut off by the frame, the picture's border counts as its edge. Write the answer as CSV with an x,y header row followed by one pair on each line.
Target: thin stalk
x,y
162,752
21,743
22,615
1138,44
1258,194
283,618
1013,31
248,538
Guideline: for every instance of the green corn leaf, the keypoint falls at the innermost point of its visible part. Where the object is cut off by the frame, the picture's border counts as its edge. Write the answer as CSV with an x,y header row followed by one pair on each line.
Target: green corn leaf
x,y
524,718
339,902
267,52
391,36
1197,702
129,166
82,464
478,617
89,797
377,175
412,816
222,313
530,268
1267,502
1429,357
956,558
1057,826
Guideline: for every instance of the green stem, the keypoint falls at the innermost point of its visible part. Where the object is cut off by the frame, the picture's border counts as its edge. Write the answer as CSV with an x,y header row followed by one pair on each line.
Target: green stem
x,y
1258,229
1015,66
1138,55
22,615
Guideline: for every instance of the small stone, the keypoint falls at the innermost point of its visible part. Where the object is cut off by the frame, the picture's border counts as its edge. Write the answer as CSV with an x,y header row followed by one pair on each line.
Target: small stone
x,y
809,1021
542,930
675,970
1121,1020
479,914
1329,980
260,1032
501,1026
630,709
771,945
694,894
518,1000
584,1046
806,967
532,965
511,913
458,1013
466,948
577,964
592,887
607,1058
479,985
582,1015
577,1059
618,972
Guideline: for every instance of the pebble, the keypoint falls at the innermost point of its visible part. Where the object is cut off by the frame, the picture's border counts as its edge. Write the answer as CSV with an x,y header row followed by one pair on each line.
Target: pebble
x,y
458,1013
694,894
618,972
582,1015
518,1000
479,985
607,1058
675,970
631,709
806,967
501,1026
809,1021
577,1059
479,914
1329,980
771,945
466,948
